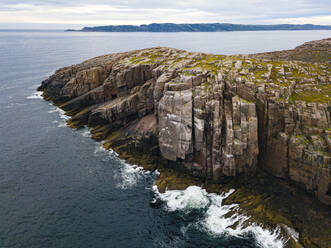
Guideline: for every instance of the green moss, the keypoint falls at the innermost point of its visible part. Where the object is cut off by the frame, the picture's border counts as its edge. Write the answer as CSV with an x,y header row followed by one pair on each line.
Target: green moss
x,y
206,63
259,72
147,58
174,179
277,63
297,74
113,136
101,132
79,120
274,75
324,96
247,101
136,59
205,84
303,139
186,73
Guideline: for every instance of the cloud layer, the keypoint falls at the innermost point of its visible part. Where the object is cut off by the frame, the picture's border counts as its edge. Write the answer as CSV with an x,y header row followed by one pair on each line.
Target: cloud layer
x,y
60,13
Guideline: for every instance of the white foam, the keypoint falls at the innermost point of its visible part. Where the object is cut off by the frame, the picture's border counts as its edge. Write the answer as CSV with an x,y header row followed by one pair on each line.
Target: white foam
x,y
36,95
85,132
291,232
192,198
130,175
62,125
215,219
61,114
127,175
99,150
264,237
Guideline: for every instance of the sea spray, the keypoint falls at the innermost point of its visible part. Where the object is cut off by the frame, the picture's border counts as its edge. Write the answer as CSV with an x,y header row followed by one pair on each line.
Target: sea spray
x,y
63,117
216,220
192,198
85,132
130,175
126,174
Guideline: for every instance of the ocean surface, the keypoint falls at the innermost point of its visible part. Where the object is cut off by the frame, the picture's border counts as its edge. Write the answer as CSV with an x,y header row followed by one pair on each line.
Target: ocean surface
x,y
59,188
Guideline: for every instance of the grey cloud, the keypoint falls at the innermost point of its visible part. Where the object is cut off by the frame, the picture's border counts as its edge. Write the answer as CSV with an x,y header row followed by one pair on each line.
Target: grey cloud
x,y
138,11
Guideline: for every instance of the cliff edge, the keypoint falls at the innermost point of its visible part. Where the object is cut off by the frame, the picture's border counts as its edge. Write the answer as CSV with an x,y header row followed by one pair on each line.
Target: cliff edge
x,y
211,116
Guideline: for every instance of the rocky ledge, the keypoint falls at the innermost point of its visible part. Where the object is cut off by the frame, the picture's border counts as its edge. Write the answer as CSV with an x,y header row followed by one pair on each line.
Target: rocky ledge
x,y
214,117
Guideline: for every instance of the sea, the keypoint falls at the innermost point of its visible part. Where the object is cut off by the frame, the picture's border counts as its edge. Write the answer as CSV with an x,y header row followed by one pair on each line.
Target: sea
x,y
60,188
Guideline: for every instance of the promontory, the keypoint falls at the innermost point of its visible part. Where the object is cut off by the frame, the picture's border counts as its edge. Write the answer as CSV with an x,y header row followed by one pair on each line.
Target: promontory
x,y
211,116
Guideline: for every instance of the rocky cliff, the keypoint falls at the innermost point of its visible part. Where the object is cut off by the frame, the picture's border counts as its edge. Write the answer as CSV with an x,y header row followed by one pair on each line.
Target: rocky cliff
x,y
312,51
212,116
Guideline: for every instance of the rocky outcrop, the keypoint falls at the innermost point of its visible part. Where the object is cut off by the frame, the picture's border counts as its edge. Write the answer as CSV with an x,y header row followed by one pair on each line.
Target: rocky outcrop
x,y
312,51
212,116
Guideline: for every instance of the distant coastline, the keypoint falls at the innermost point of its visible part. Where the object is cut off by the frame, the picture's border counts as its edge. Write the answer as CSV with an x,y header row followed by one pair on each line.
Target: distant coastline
x,y
202,27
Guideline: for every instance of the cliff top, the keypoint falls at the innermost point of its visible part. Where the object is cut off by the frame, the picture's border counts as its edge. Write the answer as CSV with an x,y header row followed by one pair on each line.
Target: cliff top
x,y
282,80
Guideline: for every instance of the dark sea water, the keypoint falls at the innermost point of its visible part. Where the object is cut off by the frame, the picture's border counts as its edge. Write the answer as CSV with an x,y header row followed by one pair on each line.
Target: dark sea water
x,y
59,188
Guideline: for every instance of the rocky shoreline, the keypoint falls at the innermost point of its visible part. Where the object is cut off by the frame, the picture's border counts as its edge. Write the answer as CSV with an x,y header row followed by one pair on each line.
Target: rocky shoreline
x,y
214,120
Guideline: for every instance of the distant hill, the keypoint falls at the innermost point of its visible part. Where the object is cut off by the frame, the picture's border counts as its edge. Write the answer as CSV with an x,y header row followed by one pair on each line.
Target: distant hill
x,y
203,27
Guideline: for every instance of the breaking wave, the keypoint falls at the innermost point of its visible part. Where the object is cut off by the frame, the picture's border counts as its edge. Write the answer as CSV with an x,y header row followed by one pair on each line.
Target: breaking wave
x,y
130,175
63,117
218,219
36,95
85,132
127,175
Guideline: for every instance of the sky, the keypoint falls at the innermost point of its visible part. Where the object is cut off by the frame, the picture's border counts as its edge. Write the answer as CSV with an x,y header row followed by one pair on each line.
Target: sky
x,y
59,14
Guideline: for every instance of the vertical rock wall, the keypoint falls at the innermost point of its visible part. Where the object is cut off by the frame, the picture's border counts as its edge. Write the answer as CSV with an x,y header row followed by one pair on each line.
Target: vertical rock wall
x,y
211,134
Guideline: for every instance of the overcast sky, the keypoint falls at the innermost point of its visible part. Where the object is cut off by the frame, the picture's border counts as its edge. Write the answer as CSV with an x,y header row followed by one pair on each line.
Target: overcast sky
x,y
76,14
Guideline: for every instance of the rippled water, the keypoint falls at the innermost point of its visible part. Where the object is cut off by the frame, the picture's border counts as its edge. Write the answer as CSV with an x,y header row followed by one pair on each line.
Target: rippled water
x,y
59,188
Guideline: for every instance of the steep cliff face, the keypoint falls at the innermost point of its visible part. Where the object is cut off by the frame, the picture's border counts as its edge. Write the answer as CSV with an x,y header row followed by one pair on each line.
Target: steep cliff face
x,y
213,116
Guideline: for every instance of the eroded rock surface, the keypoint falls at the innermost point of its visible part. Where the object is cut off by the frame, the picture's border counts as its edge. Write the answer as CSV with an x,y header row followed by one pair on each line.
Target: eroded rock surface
x,y
213,116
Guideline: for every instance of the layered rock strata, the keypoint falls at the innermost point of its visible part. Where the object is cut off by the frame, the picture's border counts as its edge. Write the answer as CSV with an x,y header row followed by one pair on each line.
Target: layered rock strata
x,y
212,116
